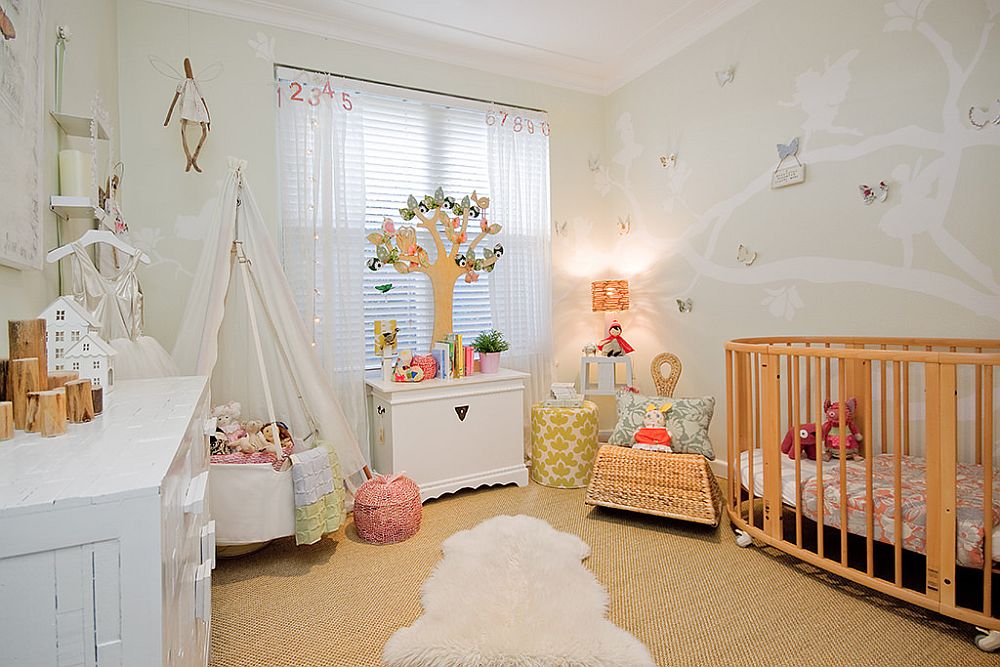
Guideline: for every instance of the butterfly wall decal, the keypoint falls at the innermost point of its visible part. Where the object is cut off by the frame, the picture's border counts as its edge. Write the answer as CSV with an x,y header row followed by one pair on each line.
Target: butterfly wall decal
x,y
980,118
624,225
594,163
560,227
685,305
870,194
745,256
724,76
788,150
668,160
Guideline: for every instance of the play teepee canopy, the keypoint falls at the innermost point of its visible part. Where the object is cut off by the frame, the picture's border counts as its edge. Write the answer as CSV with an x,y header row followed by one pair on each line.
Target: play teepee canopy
x,y
241,327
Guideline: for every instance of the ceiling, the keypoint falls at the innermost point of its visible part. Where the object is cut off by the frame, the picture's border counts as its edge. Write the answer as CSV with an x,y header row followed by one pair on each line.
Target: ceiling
x,y
590,45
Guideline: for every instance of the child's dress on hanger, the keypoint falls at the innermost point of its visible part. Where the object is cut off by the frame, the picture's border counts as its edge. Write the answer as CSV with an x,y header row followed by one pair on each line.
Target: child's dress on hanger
x,y
116,303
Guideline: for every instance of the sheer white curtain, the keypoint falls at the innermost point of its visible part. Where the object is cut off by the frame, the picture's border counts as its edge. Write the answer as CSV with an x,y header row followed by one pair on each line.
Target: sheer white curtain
x,y
520,288
321,172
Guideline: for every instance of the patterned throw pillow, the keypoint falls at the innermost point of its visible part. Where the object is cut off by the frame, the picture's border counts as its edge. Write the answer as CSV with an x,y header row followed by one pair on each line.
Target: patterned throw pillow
x,y
687,421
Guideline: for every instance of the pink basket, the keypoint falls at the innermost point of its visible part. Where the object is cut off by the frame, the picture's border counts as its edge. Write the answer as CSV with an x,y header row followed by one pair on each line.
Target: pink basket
x,y
387,509
427,364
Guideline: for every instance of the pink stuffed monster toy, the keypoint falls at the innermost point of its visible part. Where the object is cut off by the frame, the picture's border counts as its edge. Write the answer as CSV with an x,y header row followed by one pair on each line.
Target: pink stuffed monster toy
x,y
837,444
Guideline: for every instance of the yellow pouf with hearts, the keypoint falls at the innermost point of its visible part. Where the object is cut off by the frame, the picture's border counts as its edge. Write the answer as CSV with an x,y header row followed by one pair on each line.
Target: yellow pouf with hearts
x,y
563,444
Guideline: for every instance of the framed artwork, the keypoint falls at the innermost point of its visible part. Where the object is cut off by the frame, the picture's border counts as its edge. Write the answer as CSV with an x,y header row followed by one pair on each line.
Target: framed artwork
x,y
21,103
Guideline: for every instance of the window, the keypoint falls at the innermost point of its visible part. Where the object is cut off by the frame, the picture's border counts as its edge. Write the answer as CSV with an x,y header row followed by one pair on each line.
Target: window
x,y
60,336
74,335
59,353
76,365
59,367
412,144
96,381
97,364
86,347
60,315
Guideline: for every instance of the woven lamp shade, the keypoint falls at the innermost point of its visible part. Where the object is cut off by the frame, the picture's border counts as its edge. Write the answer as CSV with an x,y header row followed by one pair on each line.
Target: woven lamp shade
x,y
609,295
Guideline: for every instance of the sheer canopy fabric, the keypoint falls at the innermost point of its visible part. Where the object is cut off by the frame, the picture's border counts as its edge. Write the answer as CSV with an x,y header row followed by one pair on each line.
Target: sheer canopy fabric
x,y
216,333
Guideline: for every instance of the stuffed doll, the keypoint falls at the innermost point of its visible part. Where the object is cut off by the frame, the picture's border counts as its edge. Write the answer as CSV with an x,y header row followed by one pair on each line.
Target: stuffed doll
x,y
654,435
834,442
254,440
807,438
614,345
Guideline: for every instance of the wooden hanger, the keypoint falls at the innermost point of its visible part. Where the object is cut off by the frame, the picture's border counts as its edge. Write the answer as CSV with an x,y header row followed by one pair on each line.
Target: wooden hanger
x,y
92,236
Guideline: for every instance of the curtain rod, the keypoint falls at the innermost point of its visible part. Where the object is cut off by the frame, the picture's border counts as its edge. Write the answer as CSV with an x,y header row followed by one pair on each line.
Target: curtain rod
x,y
396,85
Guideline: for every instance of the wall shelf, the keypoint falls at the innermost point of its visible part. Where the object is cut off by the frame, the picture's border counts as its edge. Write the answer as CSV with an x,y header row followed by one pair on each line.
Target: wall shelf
x,y
78,126
73,207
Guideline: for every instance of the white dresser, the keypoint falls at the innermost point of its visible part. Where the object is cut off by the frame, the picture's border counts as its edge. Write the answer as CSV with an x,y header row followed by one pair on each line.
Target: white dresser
x,y
448,435
106,548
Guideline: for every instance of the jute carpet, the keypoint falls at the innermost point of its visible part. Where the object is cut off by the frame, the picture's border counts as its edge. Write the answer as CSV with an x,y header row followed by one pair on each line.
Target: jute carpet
x,y
687,591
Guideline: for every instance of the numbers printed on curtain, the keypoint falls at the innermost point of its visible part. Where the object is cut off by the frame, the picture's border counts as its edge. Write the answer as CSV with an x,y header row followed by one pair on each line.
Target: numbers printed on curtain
x,y
517,123
314,96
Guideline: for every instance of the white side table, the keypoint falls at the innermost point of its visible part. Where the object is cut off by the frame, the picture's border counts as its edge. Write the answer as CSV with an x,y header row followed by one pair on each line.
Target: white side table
x,y
606,375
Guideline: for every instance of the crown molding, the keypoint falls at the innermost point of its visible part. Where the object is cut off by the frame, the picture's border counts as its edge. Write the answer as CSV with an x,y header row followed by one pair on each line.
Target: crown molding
x,y
484,52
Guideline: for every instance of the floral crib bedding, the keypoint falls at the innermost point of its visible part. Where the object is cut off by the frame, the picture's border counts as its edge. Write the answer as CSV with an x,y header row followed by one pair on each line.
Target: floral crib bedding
x,y
969,509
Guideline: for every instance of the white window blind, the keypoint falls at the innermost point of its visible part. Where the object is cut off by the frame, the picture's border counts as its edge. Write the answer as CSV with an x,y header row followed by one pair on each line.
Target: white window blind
x,y
412,144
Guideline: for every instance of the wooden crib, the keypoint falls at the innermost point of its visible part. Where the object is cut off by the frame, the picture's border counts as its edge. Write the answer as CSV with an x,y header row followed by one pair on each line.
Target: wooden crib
x,y
920,502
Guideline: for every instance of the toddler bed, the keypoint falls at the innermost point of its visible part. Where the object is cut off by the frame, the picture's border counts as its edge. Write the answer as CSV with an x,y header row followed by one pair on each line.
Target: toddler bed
x,y
926,480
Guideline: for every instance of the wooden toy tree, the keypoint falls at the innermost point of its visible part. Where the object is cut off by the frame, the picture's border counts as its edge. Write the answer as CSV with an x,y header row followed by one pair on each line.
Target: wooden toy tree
x,y
446,221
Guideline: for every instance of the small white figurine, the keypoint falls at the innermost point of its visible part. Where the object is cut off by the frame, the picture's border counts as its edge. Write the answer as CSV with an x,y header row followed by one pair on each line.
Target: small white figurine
x,y
590,349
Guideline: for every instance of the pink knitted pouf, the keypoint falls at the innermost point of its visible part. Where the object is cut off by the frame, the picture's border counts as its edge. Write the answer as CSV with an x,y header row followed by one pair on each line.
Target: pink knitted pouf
x,y
427,364
387,509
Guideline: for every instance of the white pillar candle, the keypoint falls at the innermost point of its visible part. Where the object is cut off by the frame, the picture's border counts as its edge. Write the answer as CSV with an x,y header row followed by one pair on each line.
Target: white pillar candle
x,y
75,173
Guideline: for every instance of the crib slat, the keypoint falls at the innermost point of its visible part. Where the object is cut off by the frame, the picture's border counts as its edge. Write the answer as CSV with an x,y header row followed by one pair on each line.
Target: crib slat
x,y
884,426
820,508
841,422
979,411
795,417
743,399
866,442
755,399
906,405
947,481
771,451
897,453
731,498
987,449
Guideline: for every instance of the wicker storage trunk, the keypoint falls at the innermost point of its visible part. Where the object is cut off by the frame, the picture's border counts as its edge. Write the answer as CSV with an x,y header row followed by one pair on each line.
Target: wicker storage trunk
x,y
678,486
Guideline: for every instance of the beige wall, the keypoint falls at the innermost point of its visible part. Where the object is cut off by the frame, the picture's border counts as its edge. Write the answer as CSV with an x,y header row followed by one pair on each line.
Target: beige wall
x,y
91,66
870,99
168,208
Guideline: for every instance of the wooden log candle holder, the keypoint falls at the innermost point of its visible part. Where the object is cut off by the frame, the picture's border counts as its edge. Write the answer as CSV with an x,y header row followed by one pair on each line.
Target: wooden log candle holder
x,y
60,378
27,339
97,393
4,379
24,378
6,420
47,412
79,401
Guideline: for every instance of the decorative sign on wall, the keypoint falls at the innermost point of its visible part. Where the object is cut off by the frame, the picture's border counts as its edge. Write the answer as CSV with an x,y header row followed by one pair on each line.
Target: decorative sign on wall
x,y
784,176
980,118
870,194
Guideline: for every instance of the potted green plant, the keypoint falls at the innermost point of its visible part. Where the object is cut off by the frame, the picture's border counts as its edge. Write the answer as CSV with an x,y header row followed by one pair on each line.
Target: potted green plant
x,y
489,345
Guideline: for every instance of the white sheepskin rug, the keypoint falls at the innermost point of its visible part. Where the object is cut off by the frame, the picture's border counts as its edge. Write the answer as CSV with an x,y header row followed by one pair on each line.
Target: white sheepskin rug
x,y
512,592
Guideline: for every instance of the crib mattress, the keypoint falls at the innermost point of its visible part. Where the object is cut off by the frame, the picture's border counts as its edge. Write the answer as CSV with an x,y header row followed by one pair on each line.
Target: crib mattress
x,y
970,499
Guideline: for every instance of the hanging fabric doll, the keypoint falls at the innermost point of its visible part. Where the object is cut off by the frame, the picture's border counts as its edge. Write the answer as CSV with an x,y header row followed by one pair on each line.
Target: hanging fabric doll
x,y
614,345
654,435
193,111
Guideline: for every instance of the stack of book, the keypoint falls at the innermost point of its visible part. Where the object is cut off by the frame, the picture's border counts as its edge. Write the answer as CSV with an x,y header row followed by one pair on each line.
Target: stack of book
x,y
454,360
563,395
